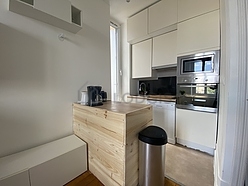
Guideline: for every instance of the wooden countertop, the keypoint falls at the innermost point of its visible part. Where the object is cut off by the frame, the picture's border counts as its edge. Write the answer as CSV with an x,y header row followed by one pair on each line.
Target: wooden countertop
x,y
156,97
117,107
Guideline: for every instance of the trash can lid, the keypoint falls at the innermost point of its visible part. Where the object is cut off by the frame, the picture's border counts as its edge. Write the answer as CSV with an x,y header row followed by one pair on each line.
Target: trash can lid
x,y
153,135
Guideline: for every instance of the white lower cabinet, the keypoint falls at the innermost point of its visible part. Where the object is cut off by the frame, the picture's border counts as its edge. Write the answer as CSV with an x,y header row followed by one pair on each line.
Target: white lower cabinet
x,y
142,59
20,178
165,50
196,129
199,34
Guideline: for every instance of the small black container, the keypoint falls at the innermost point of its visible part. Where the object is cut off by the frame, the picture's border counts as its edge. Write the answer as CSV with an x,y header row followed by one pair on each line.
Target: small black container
x,y
104,96
93,95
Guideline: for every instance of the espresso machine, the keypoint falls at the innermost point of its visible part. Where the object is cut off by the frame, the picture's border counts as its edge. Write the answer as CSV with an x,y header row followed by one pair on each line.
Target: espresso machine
x,y
94,95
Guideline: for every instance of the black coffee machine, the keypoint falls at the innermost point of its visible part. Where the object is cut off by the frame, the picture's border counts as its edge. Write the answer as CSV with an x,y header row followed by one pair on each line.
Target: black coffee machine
x,y
94,96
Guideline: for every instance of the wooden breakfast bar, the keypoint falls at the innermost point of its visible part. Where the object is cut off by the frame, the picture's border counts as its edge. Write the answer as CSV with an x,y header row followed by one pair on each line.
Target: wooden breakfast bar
x,y
111,133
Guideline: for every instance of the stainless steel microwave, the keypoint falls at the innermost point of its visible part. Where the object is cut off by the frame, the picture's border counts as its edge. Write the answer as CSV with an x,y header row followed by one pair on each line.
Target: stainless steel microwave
x,y
198,68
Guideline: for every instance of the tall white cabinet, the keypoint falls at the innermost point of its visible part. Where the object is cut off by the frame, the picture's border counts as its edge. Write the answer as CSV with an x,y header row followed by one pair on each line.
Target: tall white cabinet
x,y
201,33
188,9
142,59
164,50
175,28
162,15
137,26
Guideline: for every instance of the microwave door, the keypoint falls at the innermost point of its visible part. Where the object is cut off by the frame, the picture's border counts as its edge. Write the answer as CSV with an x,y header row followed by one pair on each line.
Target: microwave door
x,y
190,66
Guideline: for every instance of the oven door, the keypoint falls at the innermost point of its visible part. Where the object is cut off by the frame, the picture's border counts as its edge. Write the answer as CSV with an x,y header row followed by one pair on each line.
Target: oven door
x,y
200,97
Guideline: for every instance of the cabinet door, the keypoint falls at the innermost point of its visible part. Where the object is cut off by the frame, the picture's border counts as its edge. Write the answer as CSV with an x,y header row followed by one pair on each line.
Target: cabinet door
x,y
199,34
162,14
57,8
142,59
196,127
137,26
165,50
191,8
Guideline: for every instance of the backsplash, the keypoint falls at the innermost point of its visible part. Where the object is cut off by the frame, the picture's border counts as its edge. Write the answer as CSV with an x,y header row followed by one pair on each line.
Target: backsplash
x,y
161,86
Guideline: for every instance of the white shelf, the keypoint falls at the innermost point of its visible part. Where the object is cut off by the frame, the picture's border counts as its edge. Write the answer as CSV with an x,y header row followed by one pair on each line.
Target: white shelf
x,y
26,8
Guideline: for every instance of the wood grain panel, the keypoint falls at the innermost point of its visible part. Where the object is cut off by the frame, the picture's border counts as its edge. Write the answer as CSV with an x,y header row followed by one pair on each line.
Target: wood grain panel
x,y
103,121
135,122
103,150
112,139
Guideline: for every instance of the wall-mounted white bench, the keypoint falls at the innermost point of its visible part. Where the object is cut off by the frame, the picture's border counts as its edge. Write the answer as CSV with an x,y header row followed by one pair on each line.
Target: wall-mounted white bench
x,y
51,164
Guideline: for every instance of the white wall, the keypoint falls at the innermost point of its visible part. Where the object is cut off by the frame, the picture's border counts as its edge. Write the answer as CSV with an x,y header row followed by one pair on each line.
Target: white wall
x,y
125,61
231,149
129,85
41,76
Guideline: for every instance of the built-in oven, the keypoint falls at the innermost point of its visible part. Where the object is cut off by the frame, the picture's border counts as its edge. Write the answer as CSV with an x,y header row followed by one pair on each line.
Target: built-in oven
x,y
198,81
198,68
199,97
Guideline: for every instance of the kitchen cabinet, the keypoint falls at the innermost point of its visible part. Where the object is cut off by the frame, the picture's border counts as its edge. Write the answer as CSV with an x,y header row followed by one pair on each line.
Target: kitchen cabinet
x,y
59,13
137,28
165,50
164,117
196,129
142,59
199,34
162,15
191,8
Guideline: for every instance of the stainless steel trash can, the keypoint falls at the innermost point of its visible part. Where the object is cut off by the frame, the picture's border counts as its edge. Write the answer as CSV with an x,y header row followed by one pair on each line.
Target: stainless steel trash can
x,y
152,142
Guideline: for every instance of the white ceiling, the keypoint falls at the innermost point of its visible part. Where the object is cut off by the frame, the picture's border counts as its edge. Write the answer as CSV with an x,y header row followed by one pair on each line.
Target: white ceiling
x,y
120,10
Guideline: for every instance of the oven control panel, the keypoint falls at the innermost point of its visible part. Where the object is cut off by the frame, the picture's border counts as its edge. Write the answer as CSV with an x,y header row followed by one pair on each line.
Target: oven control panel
x,y
197,79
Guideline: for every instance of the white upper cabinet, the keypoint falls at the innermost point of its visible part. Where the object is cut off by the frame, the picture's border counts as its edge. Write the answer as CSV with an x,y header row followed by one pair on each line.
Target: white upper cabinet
x,y
142,59
162,15
191,8
165,50
199,34
58,13
56,8
137,26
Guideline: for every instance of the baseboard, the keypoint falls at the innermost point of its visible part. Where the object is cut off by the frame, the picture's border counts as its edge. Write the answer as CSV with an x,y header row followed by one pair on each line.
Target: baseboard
x,y
195,146
172,141
217,179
